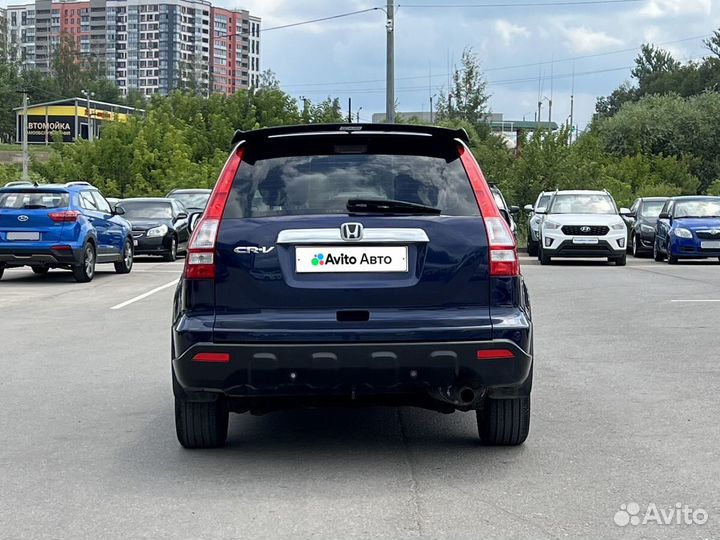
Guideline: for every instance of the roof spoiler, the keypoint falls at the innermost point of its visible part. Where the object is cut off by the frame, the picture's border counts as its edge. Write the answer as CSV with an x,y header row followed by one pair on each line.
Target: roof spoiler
x,y
329,129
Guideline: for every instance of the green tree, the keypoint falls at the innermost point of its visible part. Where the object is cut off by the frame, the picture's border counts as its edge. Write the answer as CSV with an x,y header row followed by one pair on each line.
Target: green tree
x,y
468,98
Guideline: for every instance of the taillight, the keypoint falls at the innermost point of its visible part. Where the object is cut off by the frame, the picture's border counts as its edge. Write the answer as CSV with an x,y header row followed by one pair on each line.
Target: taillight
x,y
200,261
494,354
504,260
68,216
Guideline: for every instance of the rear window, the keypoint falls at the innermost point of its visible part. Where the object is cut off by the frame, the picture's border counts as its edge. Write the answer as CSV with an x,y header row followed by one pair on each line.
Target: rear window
x,y
35,200
320,179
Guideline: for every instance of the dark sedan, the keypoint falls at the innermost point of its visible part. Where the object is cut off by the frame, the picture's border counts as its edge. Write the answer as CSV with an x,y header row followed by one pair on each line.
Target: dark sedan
x,y
641,224
159,226
195,200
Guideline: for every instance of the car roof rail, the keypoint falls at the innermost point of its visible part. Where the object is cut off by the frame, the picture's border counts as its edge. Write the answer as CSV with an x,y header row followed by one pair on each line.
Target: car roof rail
x,y
330,129
78,183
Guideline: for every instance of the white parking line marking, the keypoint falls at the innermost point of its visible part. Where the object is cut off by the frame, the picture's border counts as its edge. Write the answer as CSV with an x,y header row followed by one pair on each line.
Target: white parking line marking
x,y
696,301
145,295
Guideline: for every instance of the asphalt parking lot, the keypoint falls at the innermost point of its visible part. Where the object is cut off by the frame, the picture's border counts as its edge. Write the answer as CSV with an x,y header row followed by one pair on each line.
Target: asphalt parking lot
x,y
625,409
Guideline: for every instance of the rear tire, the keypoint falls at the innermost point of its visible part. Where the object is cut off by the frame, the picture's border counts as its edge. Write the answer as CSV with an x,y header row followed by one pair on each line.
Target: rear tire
x,y
171,255
85,271
40,270
201,424
504,422
125,265
671,259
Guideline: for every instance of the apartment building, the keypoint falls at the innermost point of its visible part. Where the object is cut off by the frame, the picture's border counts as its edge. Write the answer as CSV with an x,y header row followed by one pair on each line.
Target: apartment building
x,y
20,34
152,46
235,62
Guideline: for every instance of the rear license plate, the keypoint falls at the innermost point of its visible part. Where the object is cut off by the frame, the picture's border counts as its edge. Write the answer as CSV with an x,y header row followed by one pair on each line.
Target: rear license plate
x,y
27,236
585,240
329,260
710,245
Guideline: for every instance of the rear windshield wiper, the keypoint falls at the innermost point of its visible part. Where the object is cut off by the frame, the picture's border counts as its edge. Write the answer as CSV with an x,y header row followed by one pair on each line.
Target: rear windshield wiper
x,y
389,206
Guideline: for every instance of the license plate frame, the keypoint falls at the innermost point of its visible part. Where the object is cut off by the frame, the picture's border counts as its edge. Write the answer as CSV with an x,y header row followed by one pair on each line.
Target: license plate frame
x,y
710,244
23,236
308,260
589,241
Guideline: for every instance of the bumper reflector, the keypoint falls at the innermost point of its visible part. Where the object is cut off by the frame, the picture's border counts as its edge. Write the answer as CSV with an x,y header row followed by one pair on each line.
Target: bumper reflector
x,y
494,354
216,358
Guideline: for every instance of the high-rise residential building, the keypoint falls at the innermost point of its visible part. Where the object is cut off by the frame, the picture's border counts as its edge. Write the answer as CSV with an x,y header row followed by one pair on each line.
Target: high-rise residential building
x,y
20,34
152,46
3,33
235,60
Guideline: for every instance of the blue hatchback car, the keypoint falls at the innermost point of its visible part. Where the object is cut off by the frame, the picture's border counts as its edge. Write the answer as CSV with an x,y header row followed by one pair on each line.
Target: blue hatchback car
x,y
62,226
688,228
352,265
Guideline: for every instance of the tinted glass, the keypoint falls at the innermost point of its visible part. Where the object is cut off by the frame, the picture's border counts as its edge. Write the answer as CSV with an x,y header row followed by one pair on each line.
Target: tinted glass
x,y
652,209
147,210
34,200
582,204
323,184
192,200
499,200
700,208
87,201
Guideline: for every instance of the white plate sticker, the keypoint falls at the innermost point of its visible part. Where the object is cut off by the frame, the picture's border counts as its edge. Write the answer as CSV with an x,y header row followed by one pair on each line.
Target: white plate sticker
x,y
335,259
585,240
710,245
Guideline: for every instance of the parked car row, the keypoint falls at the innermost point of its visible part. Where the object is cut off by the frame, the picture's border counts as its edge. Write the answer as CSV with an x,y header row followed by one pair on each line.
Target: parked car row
x,y
72,226
588,224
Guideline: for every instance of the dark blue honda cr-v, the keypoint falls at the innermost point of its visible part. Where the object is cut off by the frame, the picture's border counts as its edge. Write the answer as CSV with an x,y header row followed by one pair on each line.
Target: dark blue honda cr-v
x,y
68,226
351,264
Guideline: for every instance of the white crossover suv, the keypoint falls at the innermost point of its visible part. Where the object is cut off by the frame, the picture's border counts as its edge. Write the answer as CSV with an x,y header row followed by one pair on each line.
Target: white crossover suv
x,y
582,223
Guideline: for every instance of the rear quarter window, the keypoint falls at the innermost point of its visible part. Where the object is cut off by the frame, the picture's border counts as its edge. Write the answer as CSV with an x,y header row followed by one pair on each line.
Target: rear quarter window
x,y
323,182
24,200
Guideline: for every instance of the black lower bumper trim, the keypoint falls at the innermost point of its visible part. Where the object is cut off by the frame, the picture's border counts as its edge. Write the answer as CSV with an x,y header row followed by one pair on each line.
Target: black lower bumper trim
x,y
601,249
257,370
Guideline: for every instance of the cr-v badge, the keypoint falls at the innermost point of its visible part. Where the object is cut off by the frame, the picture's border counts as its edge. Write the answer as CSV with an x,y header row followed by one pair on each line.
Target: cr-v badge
x,y
248,250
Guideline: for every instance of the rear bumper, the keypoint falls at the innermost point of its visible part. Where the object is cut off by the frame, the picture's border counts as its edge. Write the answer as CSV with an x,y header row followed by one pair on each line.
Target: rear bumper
x,y
336,369
48,256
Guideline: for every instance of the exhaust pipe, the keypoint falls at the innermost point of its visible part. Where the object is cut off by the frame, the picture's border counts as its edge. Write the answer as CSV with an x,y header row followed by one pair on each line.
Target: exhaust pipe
x,y
461,395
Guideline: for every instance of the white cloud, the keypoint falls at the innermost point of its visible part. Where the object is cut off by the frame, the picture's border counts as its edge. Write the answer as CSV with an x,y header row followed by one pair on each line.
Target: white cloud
x,y
509,31
656,9
584,40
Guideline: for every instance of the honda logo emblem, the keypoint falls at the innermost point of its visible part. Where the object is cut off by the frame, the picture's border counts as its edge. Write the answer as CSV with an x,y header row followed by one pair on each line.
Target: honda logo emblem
x,y
352,232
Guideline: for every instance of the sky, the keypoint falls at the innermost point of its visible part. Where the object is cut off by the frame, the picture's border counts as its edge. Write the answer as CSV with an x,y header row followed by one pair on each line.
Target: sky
x,y
526,52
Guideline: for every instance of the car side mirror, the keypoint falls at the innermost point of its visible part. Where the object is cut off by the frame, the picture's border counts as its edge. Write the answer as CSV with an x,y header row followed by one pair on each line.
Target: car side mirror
x,y
194,218
664,215
118,211
506,216
182,215
625,212
528,208
515,210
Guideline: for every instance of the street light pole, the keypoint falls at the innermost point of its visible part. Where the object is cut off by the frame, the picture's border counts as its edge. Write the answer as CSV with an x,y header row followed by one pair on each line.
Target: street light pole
x,y
390,76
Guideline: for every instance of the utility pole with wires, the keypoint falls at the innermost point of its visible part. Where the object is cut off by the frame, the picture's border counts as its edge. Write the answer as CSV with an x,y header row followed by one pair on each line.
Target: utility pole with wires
x,y
390,75
572,105
349,110
25,153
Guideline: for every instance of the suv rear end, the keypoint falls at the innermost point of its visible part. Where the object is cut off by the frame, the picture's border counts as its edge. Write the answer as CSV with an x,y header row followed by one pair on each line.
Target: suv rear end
x,y
363,264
